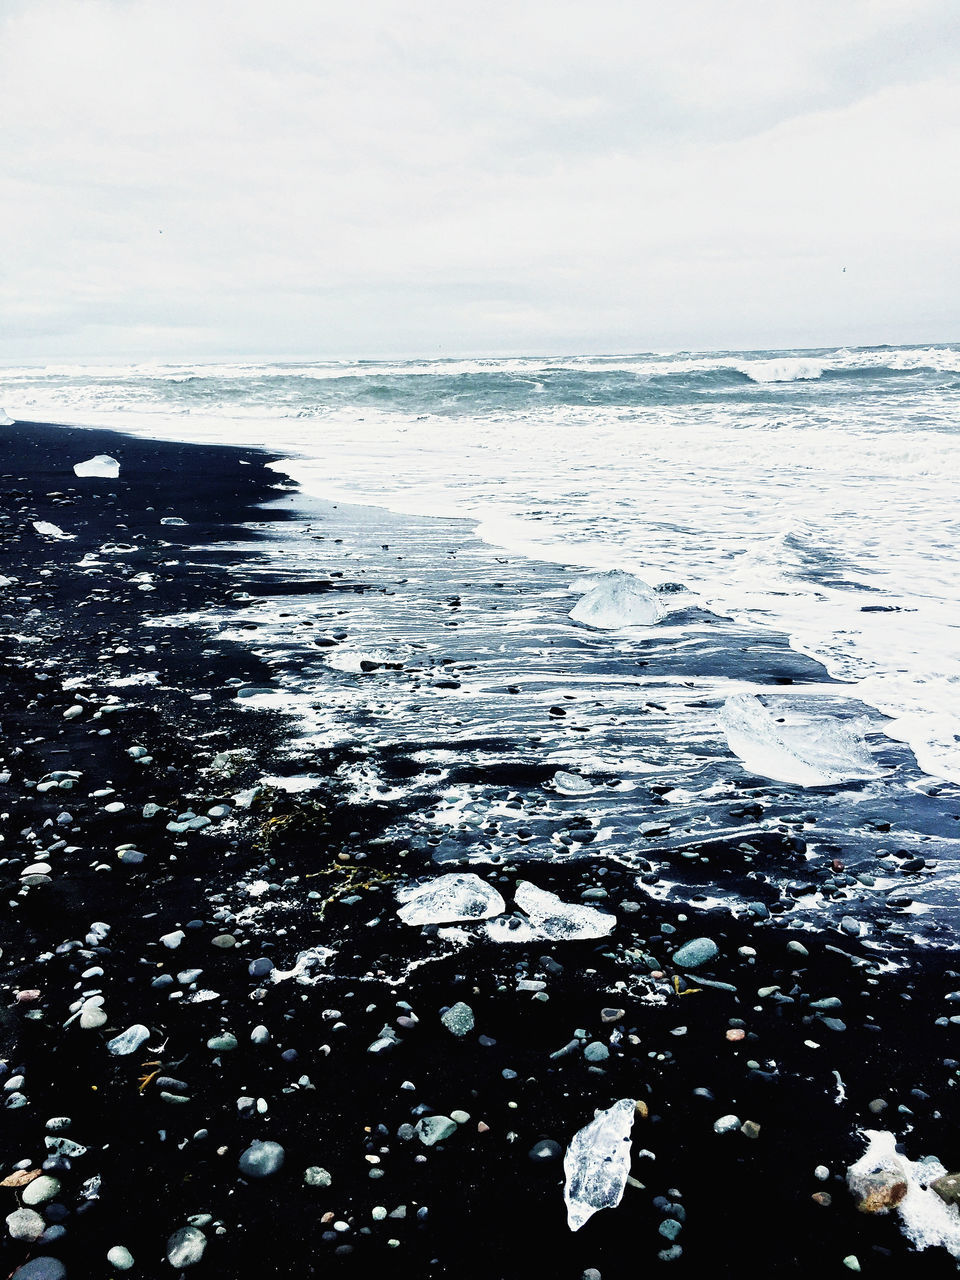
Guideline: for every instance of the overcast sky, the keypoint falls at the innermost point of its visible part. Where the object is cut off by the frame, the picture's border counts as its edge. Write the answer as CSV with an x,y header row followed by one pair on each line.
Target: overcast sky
x,y
190,178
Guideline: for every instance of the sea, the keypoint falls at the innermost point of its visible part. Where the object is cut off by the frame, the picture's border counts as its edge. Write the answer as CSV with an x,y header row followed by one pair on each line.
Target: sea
x,y
813,493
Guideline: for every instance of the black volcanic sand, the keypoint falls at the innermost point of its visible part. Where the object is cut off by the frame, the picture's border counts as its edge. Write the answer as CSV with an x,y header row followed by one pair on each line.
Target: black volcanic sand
x,y
160,1131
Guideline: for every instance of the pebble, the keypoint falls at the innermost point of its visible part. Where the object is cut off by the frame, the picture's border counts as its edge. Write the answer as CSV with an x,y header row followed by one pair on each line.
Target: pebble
x,y
433,1129
545,1150
91,1017
596,1051
223,1043
129,1041
261,1159
695,953
260,1035
186,1247
42,1268
25,1224
224,940
316,1177
726,1124
120,1257
40,1190
458,1019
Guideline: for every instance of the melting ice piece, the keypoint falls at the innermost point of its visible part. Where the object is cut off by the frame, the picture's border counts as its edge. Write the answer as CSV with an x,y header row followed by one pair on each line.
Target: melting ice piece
x,y
883,1179
102,466
809,755
549,919
48,530
5,419
617,599
448,899
597,1162
571,784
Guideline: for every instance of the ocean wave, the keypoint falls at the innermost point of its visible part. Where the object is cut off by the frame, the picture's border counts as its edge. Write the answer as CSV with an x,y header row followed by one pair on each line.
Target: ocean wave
x,y
789,369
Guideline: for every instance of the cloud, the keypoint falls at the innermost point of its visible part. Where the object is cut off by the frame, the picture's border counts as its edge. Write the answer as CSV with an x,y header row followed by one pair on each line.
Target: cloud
x,y
314,179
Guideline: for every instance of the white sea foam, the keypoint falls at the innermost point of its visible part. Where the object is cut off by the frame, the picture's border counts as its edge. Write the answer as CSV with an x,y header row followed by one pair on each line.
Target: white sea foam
x,y
791,369
789,501
926,1220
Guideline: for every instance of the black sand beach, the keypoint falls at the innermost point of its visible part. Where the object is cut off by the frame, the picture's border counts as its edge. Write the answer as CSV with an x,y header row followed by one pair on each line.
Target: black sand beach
x,y
112,694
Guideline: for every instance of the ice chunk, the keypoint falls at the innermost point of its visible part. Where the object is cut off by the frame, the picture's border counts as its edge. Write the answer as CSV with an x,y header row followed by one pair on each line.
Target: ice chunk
x,y
5,419
48,530
617,599
571,784
102,466
597,1162
550,919
883,1179
448,899
810,754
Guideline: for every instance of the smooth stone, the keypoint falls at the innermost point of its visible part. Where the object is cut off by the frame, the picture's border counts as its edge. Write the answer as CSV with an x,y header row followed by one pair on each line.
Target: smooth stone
x,y
222,1043
120,1257
459,1019
185,1247
261,1159
260,1035
91,1017
545,1150
947,1188
695,953
40,1190
25,1224
726,1124
129,1041
224,940
433,1129
260,968
596,1051
41,1269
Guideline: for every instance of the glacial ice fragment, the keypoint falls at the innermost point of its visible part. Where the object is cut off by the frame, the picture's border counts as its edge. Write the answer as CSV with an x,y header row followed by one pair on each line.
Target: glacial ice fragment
x,y
101,466
597,1162
550,919
48,530
617,599
810,754
448,899
5,419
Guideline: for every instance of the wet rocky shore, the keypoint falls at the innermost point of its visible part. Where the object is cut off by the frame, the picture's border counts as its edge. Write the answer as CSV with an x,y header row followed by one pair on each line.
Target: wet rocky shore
x,y
226,1053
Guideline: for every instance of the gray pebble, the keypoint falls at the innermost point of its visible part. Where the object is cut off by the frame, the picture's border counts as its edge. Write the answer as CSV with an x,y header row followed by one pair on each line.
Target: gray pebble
x,y
261,1159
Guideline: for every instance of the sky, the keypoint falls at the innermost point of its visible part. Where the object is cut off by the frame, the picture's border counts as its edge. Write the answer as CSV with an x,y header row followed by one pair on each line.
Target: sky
x,y
191,179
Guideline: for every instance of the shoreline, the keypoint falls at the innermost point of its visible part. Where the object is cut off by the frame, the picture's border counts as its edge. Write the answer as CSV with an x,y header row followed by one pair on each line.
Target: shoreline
x,y
493,1209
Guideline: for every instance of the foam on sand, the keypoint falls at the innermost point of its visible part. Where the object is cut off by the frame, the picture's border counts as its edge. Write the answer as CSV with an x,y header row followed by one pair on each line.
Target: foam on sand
x,y
597,1163
883,1179
616,599
808,754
